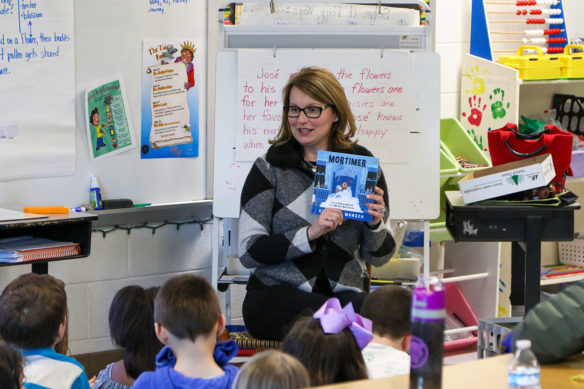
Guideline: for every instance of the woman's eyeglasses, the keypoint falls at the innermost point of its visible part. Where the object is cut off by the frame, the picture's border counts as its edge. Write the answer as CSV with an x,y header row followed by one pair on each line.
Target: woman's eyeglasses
x,y
309,112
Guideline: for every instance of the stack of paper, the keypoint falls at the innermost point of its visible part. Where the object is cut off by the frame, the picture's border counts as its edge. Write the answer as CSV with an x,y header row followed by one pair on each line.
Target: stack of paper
x,y
28,248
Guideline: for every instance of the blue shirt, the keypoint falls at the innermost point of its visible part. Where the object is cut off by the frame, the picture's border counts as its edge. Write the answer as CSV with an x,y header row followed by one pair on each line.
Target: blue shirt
x,y
166,377
44,368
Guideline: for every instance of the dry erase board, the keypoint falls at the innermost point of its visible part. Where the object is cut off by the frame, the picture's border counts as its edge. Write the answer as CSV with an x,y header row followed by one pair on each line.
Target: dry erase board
x,y
413,174
108,40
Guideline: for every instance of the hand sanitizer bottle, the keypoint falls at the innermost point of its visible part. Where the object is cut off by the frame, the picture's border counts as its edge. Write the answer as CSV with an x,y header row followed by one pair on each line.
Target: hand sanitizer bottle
x,y
95,193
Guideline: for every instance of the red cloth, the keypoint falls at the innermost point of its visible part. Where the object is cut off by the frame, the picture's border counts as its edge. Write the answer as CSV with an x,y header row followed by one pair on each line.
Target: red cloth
x,y
507,145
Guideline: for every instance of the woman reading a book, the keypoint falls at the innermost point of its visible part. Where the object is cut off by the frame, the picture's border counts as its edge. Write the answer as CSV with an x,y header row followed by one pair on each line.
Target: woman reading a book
x,y
301,259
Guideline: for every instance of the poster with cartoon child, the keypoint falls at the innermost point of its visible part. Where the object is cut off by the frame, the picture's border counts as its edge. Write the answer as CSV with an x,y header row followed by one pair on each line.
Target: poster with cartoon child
x,y
170,99
109,126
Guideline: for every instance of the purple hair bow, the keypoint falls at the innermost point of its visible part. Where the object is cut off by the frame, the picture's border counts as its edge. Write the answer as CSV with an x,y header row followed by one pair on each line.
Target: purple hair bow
x,y
333,319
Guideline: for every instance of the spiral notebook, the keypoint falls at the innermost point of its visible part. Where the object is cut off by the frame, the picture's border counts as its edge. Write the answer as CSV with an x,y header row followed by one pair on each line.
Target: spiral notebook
x,y
28,249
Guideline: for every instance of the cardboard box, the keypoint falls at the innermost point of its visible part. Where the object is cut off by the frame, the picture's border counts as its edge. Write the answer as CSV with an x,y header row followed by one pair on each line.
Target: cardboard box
x,y
508,178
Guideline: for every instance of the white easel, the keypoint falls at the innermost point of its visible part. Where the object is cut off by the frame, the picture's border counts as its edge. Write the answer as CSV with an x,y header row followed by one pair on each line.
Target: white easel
x,y
275,37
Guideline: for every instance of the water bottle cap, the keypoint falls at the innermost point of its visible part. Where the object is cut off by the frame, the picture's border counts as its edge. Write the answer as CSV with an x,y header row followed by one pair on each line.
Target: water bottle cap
x,y
523,344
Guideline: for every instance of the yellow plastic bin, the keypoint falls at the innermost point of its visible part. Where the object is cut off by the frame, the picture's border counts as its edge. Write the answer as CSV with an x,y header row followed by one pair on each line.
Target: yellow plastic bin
x,y
572,64
534,67
456,142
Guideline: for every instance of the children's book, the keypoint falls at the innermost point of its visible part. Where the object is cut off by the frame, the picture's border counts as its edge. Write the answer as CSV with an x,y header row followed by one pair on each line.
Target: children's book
x,y
343,181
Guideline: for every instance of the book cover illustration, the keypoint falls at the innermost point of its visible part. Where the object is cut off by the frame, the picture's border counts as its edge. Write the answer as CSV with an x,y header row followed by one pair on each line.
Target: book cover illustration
x,y
343,181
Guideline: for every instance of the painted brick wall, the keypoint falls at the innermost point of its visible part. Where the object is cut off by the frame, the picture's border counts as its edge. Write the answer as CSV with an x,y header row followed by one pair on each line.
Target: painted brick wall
x,y
118,260
452,21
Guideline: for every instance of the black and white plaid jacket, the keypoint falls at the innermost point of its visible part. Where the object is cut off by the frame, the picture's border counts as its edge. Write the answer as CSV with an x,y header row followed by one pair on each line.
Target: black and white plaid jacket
x,y
275,215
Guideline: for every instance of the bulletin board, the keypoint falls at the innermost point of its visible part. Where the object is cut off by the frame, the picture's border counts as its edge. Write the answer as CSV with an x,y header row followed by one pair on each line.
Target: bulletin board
x,y
413,175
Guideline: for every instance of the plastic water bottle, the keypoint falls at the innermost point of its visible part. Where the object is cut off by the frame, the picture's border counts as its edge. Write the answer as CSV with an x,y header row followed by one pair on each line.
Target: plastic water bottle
x,y
427,327
524,368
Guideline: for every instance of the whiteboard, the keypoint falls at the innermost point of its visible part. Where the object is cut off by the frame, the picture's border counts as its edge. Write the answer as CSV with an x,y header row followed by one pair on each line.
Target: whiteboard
x,y
413,185
109,37
376,86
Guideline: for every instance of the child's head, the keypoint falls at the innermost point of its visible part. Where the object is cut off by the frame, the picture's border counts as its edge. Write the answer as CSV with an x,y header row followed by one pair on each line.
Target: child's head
x,y
329,344
187,307
11,372
389,309
131,323
272,370
33,310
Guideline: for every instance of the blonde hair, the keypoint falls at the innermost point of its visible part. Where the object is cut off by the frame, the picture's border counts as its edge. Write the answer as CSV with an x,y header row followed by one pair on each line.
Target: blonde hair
x,y
272,370
323,86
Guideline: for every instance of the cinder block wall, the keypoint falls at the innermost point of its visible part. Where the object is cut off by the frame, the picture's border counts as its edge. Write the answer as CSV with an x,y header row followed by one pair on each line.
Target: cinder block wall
x,y
117,260
452,37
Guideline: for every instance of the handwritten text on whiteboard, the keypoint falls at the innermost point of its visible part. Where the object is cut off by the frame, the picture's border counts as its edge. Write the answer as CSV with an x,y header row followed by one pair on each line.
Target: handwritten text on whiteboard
x,y
376,88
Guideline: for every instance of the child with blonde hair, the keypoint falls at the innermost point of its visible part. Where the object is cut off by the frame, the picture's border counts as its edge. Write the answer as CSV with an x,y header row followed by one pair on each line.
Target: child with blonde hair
x,y
272,370
329,343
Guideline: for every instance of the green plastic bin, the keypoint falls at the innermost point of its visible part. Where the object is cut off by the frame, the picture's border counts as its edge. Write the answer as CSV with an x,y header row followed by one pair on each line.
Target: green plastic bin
x,y
447,164
455,142
448,184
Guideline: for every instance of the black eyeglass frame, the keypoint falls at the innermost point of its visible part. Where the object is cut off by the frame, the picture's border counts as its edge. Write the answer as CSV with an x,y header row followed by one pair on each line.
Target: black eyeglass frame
x,y
321,108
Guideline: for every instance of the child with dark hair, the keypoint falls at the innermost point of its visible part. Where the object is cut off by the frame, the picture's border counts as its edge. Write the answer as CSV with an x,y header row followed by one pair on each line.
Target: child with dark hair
x,y
272,370
188,320
11,373
131,323
389,309
329,343
33,314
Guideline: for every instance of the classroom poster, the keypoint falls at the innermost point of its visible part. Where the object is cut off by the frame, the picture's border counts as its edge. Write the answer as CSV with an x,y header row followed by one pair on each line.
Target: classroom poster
x,y
170,99
37,89
376,84
108,121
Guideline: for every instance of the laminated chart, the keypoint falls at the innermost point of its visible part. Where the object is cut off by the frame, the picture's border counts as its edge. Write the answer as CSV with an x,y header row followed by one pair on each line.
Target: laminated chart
x,y
170,111
170,98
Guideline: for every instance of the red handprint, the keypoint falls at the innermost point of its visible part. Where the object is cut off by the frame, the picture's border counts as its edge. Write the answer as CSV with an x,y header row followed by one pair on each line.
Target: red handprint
x,y
476,111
